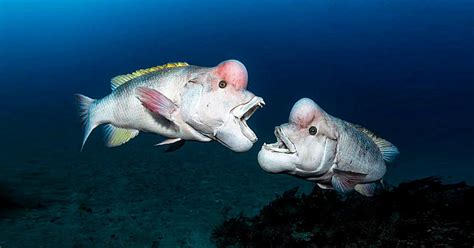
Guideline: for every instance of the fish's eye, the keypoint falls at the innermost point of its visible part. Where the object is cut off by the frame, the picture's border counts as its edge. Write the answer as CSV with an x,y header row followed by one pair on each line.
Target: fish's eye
x,y
222,84
313,130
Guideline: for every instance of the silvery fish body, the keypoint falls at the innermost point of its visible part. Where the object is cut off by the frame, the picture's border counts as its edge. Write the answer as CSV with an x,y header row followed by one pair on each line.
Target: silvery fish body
x,y
327,150
178,101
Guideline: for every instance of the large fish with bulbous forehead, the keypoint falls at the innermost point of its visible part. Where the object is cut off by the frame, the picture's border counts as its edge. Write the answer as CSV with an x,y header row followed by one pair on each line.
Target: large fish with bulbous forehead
x,y
329,151
178,101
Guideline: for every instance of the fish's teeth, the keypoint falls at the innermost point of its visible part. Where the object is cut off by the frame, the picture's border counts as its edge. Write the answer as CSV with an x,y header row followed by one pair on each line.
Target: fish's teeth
x,y
278,149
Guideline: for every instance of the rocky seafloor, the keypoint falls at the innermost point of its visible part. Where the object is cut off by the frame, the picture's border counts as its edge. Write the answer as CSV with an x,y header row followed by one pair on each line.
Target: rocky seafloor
x,y
420,213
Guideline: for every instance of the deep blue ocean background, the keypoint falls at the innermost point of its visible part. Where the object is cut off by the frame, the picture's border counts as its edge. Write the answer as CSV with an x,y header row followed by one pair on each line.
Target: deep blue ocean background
x,y
404,69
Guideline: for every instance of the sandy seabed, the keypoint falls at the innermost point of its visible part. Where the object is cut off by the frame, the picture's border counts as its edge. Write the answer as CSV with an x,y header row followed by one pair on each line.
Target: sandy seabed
x,y
52,195
131,196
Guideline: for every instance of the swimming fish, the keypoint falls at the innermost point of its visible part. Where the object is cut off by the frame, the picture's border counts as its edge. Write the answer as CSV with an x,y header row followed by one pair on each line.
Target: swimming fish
x,y
178,101
329,151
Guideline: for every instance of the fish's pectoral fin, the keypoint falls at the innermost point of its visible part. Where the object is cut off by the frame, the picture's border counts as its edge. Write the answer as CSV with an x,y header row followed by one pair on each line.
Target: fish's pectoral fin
x,y
366,189
156,102
115,136
175,144
345,181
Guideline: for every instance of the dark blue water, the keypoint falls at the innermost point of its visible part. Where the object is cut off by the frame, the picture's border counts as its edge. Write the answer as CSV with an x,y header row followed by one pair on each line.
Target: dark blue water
x,y
403,69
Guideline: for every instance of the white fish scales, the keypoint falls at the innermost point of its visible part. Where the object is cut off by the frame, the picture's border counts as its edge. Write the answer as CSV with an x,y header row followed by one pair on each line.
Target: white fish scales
x,y
329,151
178,101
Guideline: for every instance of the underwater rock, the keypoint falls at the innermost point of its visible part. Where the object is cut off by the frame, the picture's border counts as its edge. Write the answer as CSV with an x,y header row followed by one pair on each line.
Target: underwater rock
x,y
7,199
423,212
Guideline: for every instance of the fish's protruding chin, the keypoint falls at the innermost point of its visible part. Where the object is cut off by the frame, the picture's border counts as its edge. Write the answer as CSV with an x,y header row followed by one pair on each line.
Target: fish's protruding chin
x,y
243,112
230,134
235,142
235,133
276,162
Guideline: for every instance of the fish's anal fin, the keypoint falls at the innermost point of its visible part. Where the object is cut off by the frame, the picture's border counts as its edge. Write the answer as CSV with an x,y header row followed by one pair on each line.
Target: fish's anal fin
x,y
366,189
345,181
324,186
121,79
341,185
156,102
115,136
388,150
175,144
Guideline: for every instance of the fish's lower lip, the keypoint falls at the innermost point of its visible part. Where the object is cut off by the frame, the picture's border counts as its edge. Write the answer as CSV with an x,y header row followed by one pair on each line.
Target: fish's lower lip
x,y
243,112
247,131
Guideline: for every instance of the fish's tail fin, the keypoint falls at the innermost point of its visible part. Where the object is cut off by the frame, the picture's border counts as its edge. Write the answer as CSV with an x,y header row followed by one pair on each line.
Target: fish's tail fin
x,y
85,105
388,150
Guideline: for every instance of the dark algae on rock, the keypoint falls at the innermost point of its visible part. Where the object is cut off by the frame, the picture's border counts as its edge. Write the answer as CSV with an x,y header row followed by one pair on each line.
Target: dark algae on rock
x,y
421,213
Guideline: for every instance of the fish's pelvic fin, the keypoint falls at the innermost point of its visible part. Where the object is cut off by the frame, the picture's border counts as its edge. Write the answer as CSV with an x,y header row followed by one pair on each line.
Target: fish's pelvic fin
x,y
344,181
367,189
324,186
175,144
85,104
156,102
388,150
168,141
115,136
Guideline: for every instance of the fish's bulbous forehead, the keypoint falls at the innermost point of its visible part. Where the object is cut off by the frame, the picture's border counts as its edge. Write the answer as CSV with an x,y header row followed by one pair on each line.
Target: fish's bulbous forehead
x,y
304,112
233,72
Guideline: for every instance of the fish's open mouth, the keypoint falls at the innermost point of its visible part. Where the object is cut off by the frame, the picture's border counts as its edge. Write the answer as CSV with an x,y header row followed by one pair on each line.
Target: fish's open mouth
x,y
243,112
283,144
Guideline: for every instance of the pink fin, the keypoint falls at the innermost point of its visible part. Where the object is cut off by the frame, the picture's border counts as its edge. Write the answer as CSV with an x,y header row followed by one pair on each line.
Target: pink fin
x,y
367,189
156,102
344,181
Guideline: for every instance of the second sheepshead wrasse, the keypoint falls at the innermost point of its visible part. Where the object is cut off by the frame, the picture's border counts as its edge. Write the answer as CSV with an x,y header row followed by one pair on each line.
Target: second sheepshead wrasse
x,y
329,151
178,101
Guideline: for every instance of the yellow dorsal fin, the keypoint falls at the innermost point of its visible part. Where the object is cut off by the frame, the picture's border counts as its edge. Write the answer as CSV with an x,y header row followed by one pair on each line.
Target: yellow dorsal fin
x,y
121,79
